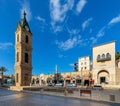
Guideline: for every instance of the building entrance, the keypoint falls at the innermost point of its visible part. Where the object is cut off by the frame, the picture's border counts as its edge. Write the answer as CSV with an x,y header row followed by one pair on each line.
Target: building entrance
x,y
102,80
103,77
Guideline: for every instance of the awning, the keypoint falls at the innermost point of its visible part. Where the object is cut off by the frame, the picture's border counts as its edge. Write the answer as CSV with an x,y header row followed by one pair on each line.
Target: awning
x,y
91,80
68,76
86,78
68,79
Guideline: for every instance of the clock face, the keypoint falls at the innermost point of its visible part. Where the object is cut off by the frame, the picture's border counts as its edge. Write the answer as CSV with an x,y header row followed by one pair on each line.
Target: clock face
x,y
26,27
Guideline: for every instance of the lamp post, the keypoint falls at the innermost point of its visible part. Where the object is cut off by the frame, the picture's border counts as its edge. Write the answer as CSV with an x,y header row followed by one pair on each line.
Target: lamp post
x,y
81,78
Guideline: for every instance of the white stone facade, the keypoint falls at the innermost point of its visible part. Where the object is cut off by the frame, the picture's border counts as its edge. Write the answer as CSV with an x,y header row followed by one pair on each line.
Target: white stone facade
x,y
104,70
84,63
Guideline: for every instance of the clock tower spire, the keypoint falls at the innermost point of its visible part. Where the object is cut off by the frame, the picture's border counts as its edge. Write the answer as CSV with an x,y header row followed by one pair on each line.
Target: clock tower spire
x,y
23,53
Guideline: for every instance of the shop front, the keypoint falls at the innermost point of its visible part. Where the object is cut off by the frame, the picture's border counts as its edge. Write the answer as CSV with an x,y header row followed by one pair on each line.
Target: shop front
x,y
78,80
68,79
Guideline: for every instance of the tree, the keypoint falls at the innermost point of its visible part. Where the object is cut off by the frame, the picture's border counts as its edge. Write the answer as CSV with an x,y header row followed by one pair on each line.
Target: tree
x,y
57,78
117,55
2,70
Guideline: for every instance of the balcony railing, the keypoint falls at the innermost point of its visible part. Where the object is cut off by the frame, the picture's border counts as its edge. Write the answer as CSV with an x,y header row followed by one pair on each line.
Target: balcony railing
x,y
103,59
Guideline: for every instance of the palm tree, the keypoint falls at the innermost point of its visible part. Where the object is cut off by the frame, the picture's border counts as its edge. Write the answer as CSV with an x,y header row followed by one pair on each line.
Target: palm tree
x,y
2,70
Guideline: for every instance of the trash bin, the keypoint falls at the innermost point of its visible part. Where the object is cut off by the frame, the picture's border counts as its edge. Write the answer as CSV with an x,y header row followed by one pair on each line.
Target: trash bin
x,y
112,97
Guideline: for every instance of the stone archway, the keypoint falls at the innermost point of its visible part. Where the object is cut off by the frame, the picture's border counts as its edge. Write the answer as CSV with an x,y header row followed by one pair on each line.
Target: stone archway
x,y
103,77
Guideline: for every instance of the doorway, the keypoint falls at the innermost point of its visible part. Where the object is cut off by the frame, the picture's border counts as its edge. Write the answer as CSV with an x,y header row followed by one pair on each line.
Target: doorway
x,y
102,80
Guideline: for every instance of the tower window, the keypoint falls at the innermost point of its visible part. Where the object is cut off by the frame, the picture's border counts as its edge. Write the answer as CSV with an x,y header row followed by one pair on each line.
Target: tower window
x,y
17,77
18,38
26,39
17,56
26,57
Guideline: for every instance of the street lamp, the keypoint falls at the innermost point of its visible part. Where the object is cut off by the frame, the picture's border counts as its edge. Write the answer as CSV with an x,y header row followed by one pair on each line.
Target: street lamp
x,y
81,78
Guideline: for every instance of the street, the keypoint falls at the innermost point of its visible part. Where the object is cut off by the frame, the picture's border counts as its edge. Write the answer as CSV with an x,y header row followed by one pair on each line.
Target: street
x,y
11,98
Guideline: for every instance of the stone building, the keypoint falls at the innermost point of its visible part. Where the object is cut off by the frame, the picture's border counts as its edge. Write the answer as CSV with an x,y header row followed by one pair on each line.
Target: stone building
x,y
23,53
84,63
118,71
78,78
104,69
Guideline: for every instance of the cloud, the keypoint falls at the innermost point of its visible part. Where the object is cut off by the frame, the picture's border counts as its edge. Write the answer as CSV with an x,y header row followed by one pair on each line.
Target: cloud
x,y
5,45
101,32
40,19
43,24
56,28
72,65
61,56
73,31
80,5
93,40
58,12
114,20
86,23
70,43
26,7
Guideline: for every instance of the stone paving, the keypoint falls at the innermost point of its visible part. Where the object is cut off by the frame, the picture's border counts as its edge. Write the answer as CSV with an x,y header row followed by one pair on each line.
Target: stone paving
x,y
97,95
44,99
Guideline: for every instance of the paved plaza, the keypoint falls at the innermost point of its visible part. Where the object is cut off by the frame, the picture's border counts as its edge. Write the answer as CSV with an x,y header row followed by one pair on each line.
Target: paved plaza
x,y
12,98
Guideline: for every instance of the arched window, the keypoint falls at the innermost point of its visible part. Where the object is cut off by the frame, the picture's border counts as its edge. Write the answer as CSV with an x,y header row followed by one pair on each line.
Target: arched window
x,y
17,56
108,55
26,39
103,56
98,57
26,57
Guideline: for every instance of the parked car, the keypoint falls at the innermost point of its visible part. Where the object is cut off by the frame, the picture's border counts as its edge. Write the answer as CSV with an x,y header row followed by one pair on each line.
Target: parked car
x,y
71,85
58,85
49,84
99,87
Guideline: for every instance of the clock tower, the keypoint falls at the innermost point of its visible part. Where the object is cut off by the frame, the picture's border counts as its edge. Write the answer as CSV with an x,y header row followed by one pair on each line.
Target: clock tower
x,y
23,53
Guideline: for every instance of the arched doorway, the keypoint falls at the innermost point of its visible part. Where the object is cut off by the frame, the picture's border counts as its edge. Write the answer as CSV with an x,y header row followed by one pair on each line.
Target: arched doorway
x,y
103,77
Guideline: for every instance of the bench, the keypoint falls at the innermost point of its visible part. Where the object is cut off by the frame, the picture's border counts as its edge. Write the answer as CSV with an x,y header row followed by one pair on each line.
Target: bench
x,y
85,91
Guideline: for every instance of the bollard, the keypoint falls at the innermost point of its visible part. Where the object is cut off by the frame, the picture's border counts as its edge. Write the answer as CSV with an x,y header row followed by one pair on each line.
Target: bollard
x,y
41,90
65,92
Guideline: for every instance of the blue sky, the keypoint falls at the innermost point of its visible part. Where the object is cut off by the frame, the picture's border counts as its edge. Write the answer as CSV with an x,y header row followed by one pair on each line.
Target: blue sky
x,y
63,30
